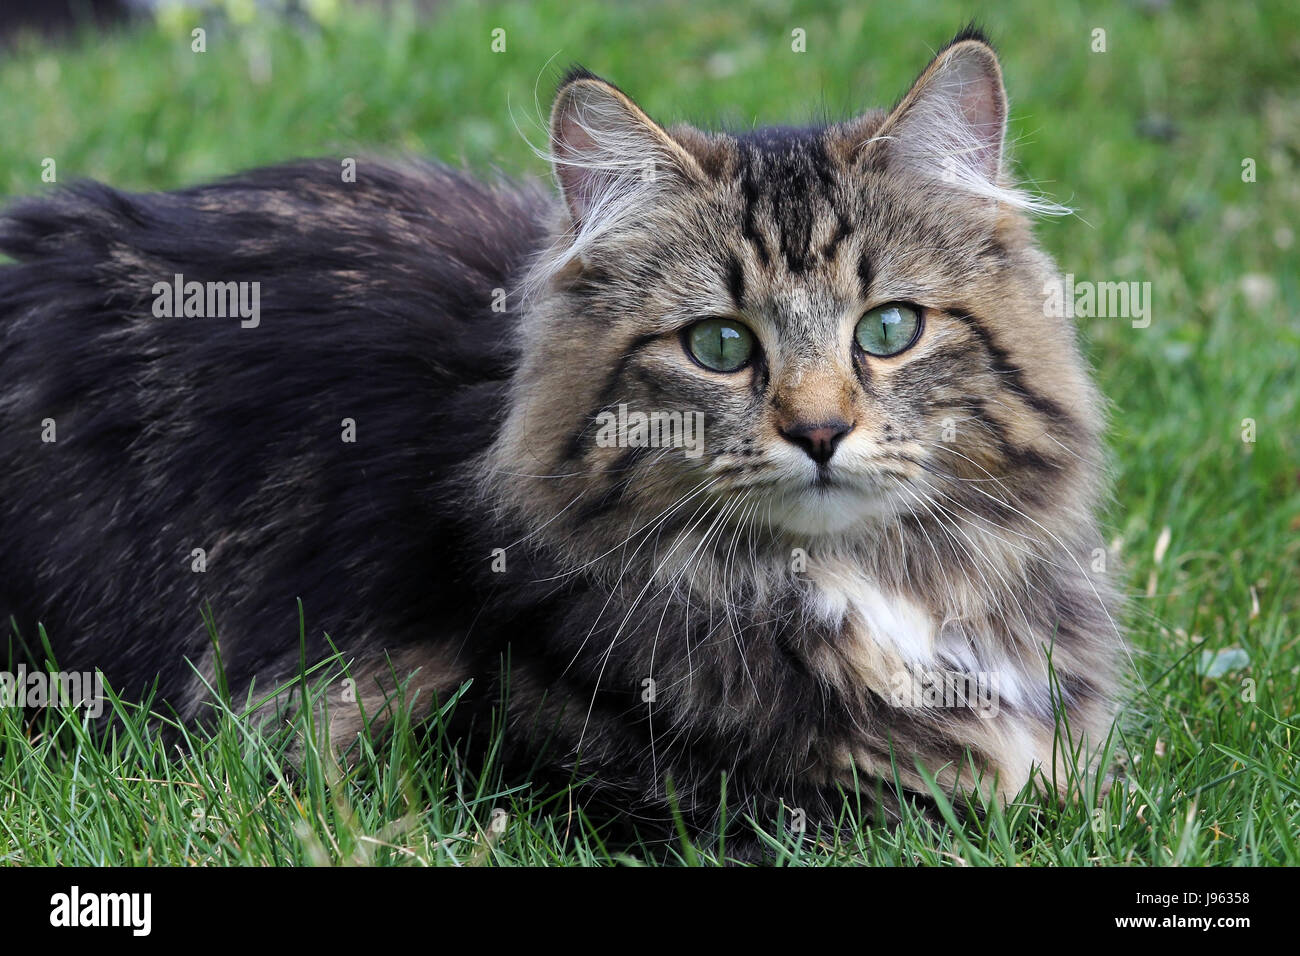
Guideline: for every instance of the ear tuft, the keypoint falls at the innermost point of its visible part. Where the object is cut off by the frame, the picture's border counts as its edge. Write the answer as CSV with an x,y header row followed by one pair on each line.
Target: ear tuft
x,y
575,72
971,31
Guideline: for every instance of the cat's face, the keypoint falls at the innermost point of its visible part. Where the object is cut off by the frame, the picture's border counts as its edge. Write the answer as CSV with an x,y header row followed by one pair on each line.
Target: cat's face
x,y
855,312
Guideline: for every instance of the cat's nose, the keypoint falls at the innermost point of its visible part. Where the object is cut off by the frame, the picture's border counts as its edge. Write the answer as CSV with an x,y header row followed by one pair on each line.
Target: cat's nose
x,y
818,440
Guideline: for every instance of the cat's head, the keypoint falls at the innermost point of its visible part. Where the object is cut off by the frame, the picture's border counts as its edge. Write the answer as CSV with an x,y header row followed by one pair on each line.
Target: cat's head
x,y
856,312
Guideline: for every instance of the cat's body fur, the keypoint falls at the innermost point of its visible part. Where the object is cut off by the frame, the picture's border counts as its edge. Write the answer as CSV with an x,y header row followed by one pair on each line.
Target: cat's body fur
x,y
657,625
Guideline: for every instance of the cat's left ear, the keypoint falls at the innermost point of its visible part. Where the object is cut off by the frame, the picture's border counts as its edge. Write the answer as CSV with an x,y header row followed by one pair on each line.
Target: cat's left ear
x,y
951,124
606,150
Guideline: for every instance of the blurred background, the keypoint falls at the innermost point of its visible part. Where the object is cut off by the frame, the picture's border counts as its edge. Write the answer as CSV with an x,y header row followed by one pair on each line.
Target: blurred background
x,y
1173,128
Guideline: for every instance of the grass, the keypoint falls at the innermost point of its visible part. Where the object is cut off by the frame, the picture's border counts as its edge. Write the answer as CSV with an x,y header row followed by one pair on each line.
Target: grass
x,y
1146,140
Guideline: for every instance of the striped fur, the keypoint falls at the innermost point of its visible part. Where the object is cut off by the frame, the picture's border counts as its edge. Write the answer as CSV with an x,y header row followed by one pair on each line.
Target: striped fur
x,y
666,618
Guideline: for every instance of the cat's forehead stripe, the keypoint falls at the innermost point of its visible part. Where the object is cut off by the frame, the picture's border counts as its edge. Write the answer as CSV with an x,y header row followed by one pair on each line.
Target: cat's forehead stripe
x,y
736,282
786,172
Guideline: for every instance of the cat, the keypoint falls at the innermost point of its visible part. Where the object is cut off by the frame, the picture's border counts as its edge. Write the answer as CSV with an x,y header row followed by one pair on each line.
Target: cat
x,y
754,454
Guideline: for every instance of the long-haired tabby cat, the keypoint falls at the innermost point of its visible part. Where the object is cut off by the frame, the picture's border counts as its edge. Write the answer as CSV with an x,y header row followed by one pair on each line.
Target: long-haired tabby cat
x,y
753,454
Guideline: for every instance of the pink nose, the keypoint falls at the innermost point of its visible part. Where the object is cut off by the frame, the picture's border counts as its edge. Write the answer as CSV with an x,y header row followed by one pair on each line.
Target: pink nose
x,y
818,440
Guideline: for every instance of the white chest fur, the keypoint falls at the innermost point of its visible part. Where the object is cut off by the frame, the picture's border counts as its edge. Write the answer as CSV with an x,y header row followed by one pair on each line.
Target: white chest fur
x,y
843,594
886,633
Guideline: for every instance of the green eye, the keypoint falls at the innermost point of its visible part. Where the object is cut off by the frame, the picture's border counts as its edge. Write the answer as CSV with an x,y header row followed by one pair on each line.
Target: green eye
x,y
720,344
888,329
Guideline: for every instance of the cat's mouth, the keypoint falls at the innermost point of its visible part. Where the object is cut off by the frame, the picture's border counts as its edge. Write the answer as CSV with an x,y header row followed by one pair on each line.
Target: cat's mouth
x,y
823,480
830,503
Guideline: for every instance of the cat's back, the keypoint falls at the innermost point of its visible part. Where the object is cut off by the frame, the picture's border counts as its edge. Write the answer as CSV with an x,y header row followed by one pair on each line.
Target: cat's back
x,y
258,380
419,233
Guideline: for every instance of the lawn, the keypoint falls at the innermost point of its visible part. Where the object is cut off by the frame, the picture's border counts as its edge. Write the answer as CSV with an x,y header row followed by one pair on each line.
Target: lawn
x,y
1179,148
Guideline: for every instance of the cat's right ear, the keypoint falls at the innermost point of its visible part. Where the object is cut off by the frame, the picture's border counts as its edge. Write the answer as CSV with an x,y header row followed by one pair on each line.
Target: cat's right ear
x,y
606,151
